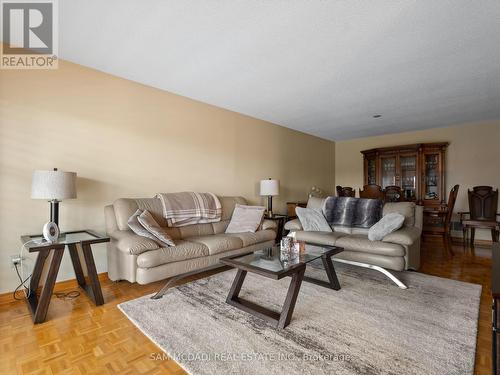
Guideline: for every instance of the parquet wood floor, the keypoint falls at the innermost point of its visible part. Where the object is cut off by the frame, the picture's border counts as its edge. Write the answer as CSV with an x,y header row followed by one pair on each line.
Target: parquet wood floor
x,y
80,338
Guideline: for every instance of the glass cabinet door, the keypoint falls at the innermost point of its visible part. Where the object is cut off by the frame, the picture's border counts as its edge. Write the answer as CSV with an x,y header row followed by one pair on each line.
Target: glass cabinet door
x,y
371,167
431,177
408,176
388,171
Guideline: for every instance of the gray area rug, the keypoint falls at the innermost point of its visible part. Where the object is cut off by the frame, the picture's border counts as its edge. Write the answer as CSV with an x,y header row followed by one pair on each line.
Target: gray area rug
x,y
370,326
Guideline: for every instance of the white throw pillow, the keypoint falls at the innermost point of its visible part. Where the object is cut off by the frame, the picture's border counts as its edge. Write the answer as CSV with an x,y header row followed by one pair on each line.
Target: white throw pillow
x,y
312,219
245,219
388,224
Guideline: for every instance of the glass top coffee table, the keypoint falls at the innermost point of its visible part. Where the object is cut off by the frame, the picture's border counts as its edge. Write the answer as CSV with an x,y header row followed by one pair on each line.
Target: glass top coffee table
x,y
268,263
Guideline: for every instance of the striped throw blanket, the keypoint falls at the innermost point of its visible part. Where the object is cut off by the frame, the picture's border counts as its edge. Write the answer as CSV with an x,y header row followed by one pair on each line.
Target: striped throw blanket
x,y
187,208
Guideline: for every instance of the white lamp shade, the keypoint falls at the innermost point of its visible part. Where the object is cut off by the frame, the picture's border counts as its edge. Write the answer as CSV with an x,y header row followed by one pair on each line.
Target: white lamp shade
x,y
269,187
53,185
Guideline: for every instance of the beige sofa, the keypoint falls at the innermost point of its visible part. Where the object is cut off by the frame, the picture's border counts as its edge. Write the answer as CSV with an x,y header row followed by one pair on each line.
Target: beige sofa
x,y
139,259
397,251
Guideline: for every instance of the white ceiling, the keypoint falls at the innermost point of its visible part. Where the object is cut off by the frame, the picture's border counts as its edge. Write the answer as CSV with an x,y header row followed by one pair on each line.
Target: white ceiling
x,y
324,67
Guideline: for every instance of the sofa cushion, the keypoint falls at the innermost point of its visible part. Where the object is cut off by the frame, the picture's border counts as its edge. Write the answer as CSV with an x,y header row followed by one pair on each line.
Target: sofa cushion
x,y
320,238
342,229
220,227
360,231
154,207
203,229
388,224
391,263
312,219
124,208
407,209
361,243
183,250
131,243
228,204
255,238
293,225
405,236
269,224
218,243
315,202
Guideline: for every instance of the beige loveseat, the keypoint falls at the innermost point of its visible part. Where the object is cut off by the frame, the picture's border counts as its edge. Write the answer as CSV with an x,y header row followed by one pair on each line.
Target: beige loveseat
x,y
139,259
397,251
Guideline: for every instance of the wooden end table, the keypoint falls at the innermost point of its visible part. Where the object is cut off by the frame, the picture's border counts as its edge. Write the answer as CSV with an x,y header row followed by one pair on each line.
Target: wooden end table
x,y
280,219
47,273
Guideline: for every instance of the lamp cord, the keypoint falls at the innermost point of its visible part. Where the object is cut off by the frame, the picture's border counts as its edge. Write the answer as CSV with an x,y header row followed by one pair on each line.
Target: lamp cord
x,y
27,289
21,276
14,294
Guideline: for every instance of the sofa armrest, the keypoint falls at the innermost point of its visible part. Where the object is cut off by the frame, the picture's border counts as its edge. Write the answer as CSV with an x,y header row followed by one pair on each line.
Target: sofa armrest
x,y
110,219
405,236
269,224
293,225
129,242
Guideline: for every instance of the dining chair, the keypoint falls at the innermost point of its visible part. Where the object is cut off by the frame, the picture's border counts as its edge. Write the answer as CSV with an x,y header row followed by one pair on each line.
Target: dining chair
x,y
483,204
442,224
393,194
345,191
371,192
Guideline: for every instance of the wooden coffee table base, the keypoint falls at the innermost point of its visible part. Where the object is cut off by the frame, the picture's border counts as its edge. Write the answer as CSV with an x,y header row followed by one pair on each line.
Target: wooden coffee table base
x,y
282,319
333,281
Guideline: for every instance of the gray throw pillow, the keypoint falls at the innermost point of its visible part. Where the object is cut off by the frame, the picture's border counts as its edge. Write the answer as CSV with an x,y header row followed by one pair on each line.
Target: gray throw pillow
x,y
312,219
137,228
388,224
149,223
407,209
245,219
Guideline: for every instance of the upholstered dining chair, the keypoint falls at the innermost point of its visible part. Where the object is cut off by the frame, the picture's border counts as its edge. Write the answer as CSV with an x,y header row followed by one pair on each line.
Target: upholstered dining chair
x,y
442,225
345,191
371,192
483,204
393,194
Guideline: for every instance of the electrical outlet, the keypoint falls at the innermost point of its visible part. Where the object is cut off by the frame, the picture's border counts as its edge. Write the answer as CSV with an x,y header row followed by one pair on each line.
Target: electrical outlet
x,y
15,259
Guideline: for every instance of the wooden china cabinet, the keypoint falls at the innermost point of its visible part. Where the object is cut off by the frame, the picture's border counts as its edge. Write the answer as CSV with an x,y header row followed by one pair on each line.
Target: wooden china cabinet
x,y
417,169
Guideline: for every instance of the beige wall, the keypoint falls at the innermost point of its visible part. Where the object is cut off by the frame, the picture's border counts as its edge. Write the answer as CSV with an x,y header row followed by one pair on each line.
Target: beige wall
x,y
129,140
473,156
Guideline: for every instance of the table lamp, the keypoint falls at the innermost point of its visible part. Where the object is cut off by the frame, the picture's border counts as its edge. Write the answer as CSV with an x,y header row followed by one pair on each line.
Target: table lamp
x,y
54,186
269,188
